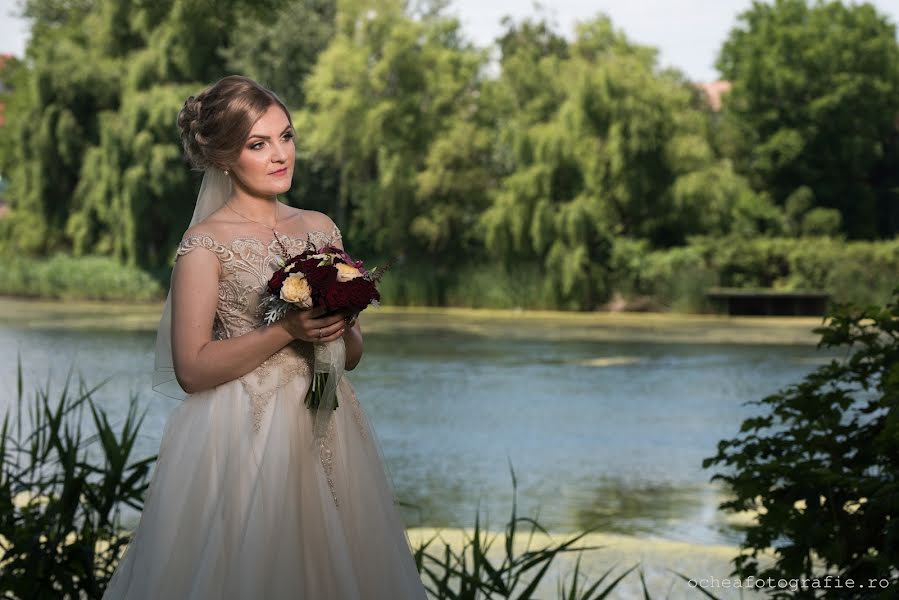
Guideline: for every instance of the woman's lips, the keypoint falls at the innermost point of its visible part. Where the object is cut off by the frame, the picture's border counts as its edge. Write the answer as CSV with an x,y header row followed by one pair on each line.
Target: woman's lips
x,y
280,172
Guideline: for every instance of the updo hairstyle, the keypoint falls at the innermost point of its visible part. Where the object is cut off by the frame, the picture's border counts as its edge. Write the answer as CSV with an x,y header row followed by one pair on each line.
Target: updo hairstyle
x,y
216,122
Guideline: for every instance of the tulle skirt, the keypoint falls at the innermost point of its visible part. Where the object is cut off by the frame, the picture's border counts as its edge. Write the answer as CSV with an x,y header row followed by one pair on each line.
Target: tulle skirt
x,y
243,505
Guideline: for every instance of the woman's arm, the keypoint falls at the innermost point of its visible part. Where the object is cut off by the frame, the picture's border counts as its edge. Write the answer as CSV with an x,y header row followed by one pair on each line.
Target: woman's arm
x,y
352,338
202,363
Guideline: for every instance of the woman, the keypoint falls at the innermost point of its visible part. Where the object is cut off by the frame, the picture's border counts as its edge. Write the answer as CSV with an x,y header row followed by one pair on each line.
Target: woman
x,y
245,502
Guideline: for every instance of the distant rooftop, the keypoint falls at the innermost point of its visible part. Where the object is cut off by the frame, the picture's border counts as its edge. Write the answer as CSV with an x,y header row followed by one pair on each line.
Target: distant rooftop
x,y
714,90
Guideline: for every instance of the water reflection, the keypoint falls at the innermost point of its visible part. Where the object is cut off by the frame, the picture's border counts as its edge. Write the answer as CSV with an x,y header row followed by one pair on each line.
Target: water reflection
x,y
617,505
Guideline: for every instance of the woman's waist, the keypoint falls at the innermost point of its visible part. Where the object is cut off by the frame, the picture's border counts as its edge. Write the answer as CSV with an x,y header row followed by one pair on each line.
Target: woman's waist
x,y
288,363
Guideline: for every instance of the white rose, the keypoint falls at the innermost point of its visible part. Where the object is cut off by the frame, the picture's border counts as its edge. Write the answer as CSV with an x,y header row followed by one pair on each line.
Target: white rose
x,y
347,272
296,290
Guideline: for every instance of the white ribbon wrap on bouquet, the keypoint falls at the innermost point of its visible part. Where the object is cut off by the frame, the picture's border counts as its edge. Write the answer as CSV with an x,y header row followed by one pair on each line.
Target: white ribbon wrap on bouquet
x,y
330,359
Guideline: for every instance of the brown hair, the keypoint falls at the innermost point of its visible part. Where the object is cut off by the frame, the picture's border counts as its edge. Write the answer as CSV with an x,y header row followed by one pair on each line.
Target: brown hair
x,y
216,122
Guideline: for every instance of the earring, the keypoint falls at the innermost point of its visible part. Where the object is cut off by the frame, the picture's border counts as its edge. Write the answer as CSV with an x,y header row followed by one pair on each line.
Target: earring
x,y
226,172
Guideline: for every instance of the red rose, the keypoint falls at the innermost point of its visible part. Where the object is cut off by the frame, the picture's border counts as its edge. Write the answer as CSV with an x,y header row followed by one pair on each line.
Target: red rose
x,y
321,279
308,265
361,293
274,284
355,294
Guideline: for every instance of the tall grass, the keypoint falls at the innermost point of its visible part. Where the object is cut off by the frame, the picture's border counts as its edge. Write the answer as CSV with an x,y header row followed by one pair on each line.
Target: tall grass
x,y
479,285
677,278
61,492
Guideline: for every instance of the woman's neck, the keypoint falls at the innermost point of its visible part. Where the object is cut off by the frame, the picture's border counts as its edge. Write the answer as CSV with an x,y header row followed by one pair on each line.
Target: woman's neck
x,y
261,209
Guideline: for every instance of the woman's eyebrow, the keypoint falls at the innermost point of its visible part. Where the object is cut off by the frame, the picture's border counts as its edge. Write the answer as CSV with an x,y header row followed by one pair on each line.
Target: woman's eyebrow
x,y
265,137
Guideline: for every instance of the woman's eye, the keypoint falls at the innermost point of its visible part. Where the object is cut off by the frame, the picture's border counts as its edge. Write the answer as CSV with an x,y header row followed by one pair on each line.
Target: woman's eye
x,y
256,146
288,136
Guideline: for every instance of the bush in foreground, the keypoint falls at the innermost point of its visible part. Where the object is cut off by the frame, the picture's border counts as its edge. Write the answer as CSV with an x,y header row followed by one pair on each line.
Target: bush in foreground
x,y
820,465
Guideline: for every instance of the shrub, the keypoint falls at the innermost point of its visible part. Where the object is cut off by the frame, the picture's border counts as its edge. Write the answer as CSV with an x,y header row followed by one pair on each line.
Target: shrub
x,y
821,464
679,277
77,278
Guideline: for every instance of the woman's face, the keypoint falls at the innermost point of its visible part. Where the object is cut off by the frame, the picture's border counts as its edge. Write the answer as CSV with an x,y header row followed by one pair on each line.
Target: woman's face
x,y
265,165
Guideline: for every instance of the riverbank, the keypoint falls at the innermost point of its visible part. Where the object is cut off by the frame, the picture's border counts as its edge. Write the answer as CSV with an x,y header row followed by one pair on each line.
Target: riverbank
x,y
508,324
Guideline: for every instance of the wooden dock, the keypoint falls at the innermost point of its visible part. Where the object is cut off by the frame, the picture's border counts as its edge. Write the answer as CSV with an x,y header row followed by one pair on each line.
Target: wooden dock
x,y
768,302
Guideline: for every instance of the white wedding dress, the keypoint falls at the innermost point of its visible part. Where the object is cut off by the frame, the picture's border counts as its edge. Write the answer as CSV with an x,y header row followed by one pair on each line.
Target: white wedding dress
x,y
242,505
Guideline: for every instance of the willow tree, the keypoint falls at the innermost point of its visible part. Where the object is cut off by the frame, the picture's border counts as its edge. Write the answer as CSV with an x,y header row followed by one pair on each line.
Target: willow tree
x,y
99,168
135,195
279,46
136,192
73,76
600,143
389,106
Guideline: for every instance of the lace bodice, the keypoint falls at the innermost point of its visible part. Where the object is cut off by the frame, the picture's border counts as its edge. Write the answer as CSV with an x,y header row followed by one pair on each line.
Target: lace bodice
x,y
247,263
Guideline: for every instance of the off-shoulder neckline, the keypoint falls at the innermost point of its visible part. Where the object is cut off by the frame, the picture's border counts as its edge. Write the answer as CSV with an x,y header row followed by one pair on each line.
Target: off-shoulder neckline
x,y
243,238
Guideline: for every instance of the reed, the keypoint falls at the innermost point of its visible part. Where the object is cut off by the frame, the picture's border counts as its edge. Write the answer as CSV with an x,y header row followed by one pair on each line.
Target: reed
x,y
469,573
63,484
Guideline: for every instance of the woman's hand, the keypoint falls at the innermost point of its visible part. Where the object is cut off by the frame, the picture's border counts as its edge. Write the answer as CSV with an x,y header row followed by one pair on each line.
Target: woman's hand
x,y
310,326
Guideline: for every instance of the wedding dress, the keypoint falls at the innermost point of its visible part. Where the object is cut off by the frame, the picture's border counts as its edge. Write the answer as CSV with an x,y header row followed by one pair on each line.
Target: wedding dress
x,y
243,504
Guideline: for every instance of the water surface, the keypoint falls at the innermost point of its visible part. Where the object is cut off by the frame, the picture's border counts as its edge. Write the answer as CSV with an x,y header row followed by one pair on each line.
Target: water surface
x,y
601,433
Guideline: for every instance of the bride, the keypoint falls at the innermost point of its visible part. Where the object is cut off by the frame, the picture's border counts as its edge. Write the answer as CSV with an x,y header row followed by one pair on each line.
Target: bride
x,y
247,501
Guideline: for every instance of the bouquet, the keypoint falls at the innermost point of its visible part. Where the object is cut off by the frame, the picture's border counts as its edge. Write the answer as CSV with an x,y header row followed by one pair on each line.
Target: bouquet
x,y
331,278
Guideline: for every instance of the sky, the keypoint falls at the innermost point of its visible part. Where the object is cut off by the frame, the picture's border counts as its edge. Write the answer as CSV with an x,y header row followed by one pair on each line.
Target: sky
x,y
688,33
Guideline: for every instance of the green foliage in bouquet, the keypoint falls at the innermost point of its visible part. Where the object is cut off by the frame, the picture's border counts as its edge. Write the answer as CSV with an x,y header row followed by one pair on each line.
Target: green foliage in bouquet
x,y
61,493
821,463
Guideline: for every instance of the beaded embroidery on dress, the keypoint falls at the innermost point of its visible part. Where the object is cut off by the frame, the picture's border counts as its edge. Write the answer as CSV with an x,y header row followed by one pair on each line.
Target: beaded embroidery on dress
x,y
241,506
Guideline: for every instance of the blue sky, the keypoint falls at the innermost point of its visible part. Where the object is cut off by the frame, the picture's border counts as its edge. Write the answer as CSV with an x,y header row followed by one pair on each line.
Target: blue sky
x,y
688,33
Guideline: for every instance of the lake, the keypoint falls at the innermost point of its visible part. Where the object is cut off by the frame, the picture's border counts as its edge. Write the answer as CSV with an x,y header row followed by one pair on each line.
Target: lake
x,y
604,418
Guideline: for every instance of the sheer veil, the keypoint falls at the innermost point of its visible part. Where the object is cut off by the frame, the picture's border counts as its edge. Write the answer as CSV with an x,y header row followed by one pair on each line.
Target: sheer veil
x,y
214,192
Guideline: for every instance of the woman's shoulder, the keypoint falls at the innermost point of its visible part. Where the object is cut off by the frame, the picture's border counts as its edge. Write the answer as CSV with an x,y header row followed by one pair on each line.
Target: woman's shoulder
x,y
318,221
207,234
201,234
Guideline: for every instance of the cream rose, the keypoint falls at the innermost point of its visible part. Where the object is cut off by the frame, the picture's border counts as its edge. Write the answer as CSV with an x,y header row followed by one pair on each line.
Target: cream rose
x,y
347,272
296,290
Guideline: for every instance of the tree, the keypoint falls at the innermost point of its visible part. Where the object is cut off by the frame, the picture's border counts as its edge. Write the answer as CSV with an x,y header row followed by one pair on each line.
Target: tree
x,y
814,108
596,142
98,166
392,105
820,464
279,48
54,120
135,194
